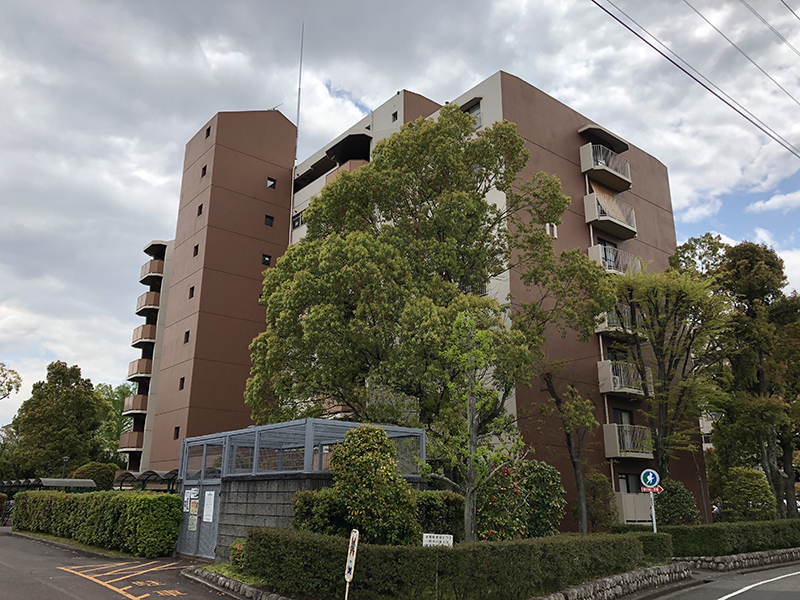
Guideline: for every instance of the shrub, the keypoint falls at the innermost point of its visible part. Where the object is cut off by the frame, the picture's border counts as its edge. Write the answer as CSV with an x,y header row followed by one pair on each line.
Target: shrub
x,y
440,512
237,553
101,473
377,498
657,547
522,500
747,496
601,506
299,562
142,523
676,505
721,539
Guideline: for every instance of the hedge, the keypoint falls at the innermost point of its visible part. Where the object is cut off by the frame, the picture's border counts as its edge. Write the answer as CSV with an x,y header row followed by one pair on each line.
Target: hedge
x,y
723,539
311,565
141,523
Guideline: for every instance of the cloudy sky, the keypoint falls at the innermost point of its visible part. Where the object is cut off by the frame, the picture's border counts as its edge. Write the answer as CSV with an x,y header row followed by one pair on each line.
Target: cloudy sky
x,y
97,100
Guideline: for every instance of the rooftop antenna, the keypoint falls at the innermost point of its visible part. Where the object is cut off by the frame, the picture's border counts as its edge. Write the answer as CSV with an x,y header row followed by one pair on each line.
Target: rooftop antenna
x,y
297,123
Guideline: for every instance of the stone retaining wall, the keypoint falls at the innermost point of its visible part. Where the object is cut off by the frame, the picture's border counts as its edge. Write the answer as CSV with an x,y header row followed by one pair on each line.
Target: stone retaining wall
x,y
735,562
616,586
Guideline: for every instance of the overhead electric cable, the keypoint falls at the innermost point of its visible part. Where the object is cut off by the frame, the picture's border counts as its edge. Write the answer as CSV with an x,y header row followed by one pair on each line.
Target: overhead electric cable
x,y
742,52
775,31
790,10
708,86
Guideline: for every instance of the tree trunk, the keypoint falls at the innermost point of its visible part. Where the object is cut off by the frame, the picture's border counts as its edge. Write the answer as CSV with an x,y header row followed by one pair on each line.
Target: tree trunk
x,y
765,466
580,486
774,472
791,477
471,475
661,457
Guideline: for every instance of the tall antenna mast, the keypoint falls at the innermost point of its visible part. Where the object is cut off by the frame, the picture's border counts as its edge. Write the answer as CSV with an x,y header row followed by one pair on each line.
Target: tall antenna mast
x,y
297,124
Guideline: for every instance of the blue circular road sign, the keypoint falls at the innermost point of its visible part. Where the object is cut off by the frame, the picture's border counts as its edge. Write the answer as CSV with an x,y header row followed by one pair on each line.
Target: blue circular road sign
x,y
649,478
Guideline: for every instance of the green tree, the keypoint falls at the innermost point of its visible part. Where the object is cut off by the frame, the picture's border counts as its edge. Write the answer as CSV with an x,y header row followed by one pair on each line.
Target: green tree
x,y
747,496
676,505
115,397
672,322
63,417
10,381
601,506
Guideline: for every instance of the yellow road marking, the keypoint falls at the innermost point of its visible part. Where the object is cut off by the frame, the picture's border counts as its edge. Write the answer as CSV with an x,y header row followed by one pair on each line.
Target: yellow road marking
x,y
104,584
164,568
130,567
95,567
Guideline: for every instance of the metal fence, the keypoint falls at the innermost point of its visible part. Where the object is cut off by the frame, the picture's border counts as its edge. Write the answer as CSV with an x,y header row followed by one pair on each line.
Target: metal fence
x,y
605,157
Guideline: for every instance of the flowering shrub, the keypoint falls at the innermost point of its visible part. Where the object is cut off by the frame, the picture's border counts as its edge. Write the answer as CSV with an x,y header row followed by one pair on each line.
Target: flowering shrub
x,y
523,500
237,553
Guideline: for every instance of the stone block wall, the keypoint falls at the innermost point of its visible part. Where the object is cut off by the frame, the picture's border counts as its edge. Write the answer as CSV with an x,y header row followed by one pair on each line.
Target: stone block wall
x,y
735,562
616,586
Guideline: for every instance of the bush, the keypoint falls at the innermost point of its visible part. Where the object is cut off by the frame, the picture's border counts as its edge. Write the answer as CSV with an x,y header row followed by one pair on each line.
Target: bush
x,y
676,505
601,506
101,473
747,496
523,500
722,539
237,554
657,547
299,562
440,512
141,523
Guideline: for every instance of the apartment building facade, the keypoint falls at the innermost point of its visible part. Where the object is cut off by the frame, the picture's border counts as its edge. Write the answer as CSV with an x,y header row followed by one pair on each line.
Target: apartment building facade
x,y
237,216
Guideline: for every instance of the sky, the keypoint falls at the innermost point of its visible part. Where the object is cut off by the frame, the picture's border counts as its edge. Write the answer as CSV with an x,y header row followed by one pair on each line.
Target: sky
x,y
97,100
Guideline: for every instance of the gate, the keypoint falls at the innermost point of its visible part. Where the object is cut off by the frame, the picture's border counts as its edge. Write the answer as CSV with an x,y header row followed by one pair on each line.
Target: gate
x,y
200,493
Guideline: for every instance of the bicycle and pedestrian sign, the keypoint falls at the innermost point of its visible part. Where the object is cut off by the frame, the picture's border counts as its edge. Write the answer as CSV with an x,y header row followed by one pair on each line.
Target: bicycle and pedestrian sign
x,y
650,484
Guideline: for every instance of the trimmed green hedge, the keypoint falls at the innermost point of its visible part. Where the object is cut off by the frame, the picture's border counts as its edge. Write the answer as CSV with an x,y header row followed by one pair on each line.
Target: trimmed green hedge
x,y
142,523
302,563
723,539
657,547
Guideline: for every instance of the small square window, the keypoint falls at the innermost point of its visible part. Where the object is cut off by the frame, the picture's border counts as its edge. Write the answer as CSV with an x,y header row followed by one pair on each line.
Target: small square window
x,y
203,172
270,183
266,259
394,116
196,250
199,209
269,221
191,292
208,133
182,383
185,337
297,220
176,434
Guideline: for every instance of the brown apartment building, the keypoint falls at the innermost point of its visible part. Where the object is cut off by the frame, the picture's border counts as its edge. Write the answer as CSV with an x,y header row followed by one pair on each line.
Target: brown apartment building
x,y
236,217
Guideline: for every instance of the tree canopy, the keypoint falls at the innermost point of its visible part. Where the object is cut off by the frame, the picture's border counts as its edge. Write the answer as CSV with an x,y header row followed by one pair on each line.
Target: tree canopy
x,y
10,381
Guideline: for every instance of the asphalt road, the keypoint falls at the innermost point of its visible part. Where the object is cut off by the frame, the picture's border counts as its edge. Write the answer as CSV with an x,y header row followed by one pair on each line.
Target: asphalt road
x,y
781,583
32,570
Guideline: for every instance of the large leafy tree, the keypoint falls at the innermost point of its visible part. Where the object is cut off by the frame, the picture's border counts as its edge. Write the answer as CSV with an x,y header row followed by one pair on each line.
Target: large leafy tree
x,y
63,417
10,381
115,397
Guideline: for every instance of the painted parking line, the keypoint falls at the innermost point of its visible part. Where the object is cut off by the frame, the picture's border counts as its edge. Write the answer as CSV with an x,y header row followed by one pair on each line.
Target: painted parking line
x,y
136,578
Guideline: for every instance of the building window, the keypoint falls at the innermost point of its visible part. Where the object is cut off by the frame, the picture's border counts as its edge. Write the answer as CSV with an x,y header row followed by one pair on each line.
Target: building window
x,y
551,229
185,337
196,250
266,259
394,116
297,220
475,112
270,183
199,210
208,133
191,292
203,172
628,483
182,383
269,221
176,434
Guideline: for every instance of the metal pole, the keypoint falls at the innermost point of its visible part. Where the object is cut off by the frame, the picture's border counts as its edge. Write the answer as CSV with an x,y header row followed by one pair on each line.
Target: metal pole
x,y
346,590
653,511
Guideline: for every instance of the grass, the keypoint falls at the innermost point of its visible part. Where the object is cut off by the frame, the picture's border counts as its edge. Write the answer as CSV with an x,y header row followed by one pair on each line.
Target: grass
x,y
231,572
75,544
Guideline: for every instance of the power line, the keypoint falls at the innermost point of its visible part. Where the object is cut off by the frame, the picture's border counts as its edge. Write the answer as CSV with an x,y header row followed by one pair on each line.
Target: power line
x,y
775,31
742,52
790,10
732,104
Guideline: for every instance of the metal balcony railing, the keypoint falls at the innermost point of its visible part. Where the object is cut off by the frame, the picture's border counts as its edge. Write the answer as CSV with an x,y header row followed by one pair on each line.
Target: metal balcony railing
x,y
634,439
625,376
137,402
604,157
608,206
619,261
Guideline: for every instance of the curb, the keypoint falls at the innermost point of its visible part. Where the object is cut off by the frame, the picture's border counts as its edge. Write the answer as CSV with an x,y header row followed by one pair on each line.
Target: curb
x,y
229,587
76,550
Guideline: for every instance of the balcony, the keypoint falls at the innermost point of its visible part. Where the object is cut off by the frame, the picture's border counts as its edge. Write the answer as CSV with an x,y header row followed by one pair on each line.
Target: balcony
x,y
147,301
611,215
141,367
615,260
621,379
151,271
633,508
135,405
131,441
627,441
606,166
144,334
349,166
611,324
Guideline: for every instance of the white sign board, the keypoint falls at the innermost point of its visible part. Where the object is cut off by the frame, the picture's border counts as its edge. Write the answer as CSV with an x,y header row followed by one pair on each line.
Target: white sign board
x,y
437,539
208,507
351,556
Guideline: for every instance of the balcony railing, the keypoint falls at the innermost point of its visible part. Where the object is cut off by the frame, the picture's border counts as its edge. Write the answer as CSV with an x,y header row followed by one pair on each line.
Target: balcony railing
x,y
148,300
609,214
135,404
618,320
606,166
614,259
141,367
144,333
622,379
627,441
152,268
132,440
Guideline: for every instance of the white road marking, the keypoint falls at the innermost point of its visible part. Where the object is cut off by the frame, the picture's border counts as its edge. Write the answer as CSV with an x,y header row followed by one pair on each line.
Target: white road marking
x,y
750,587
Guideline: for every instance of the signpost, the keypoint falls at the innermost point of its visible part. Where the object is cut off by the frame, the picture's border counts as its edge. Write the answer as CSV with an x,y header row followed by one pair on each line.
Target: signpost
x,y
650,480
351,561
